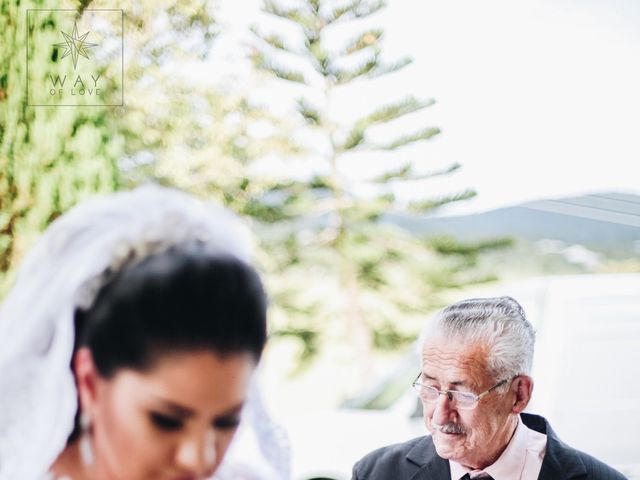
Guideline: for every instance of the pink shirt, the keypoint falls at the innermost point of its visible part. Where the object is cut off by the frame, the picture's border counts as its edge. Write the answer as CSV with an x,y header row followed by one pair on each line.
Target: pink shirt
x,y
521,460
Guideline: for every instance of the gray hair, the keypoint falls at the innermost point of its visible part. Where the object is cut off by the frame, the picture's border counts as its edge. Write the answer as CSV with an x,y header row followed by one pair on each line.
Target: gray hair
x,y
499,323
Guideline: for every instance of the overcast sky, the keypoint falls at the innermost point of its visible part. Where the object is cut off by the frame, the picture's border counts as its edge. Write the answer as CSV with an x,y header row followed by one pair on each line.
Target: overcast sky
x,y
535,99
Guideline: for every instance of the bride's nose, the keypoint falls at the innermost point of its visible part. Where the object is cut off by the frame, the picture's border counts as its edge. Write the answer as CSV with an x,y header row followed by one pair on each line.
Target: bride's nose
x,y
197,454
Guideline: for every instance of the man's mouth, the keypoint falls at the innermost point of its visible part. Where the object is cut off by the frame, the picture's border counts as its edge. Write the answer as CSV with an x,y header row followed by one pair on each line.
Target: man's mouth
x,y
448,428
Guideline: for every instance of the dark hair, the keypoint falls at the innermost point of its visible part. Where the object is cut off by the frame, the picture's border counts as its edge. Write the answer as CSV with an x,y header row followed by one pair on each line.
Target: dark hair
x,y
185,298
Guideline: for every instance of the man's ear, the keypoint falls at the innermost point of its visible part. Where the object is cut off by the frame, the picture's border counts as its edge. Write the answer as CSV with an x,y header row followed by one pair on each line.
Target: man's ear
x,y
523,388
86,378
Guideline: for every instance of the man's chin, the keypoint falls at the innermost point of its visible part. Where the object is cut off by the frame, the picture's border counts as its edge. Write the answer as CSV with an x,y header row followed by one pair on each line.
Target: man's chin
x,y
446,444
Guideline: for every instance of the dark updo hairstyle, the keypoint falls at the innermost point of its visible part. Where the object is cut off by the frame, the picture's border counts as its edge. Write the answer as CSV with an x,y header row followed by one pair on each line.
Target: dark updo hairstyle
x,y
183,299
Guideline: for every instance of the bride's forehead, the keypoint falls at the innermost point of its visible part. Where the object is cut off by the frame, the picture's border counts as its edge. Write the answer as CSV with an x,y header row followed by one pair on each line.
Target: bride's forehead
x,y
185,367
198,380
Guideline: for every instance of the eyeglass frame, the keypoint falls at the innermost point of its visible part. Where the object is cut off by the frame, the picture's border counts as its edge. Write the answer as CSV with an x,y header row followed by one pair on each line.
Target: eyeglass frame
x,y
449,394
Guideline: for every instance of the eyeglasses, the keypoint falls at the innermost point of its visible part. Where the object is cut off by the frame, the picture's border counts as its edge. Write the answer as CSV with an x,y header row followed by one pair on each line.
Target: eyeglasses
x,y
461,400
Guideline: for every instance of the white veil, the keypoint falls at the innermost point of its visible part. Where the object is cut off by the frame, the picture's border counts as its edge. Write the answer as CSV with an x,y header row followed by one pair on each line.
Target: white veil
x,y
65,270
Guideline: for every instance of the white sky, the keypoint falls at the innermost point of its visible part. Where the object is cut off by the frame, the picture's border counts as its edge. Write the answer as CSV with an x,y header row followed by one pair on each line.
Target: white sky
x,y
534,98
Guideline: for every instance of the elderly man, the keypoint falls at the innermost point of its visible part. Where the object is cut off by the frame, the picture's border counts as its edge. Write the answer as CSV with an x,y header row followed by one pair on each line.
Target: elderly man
x,y
474,384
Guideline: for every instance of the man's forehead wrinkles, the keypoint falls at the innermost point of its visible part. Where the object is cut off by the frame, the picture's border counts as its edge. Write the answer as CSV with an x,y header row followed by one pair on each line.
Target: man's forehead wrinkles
x,y
436,358
472,354
440,353
462,358
465,366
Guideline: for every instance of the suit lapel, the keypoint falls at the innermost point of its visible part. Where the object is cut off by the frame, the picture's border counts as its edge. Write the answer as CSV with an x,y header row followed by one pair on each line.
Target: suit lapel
x,y
560,461
430,465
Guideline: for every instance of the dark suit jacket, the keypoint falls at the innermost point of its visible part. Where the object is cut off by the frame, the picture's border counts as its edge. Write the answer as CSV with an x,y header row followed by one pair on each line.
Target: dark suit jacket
x,y
417,460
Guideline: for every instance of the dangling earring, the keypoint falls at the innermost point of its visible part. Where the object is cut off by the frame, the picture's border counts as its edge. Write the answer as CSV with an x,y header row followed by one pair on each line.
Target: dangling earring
x,y
86,449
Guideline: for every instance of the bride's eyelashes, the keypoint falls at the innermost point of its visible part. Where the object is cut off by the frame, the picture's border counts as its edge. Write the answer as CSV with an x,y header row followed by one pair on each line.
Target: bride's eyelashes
x,y
170,424
227,423
165,422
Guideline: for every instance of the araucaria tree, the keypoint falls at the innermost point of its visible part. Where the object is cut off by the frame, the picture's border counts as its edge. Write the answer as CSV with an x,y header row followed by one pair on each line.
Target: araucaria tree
x,y
343,272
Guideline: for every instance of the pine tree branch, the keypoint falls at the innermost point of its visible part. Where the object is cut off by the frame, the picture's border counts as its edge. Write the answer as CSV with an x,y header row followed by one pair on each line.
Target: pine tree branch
x,y
337,14
394,111
427,205
355,139
275,41
450,246
355,9
312,31
294,14
311,114
371,209
343,76
400,173
424,134
315,7
390,68
370,69
320,57
312,26
261,62
438,173
289,75
363,40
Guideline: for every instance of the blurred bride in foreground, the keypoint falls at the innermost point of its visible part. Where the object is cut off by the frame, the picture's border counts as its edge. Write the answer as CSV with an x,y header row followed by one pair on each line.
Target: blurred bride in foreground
x,y
128,346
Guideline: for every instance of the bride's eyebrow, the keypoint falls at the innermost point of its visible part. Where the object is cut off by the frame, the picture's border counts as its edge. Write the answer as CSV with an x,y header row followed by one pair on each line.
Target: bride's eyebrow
x,y
235,410
184,413
174,408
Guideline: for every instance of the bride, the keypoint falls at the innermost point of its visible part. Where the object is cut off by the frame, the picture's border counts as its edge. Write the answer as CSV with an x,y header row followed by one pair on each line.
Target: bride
x,y
129,342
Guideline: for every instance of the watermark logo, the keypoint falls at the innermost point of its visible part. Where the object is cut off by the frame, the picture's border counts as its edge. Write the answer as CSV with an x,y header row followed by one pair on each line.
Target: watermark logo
x,y
75,45
84,69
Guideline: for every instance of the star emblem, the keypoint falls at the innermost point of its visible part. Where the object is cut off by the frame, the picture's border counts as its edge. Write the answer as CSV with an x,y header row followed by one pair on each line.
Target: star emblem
x,y
75,45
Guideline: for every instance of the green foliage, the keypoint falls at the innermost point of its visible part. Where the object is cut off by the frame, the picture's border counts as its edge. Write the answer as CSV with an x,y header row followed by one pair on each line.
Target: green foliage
x,y
179,129
450,246
424,134
391,112
309,113
428,205
50,158
169,129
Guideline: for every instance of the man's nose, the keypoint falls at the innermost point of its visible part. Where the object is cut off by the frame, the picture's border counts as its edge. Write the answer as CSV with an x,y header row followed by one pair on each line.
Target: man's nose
x,y
197,454
442,410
